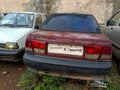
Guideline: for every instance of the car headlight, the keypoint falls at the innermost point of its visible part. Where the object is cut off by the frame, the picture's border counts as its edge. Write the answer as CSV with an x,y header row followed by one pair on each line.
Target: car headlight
x,y
11,45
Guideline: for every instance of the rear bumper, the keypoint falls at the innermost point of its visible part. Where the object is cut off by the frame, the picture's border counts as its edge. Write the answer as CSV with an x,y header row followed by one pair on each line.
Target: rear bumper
x,y
11,55
66,66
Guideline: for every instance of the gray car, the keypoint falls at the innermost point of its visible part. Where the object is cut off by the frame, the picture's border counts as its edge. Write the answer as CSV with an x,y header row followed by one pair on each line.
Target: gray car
x,y
112,31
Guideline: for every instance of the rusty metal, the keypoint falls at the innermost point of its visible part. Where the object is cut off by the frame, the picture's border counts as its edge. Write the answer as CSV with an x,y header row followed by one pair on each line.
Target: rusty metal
x,y
87,78
86,86
73,76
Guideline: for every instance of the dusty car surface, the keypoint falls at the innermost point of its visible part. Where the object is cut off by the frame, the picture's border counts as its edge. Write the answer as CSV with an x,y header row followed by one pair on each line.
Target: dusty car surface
x,y
69,45
112,31
14,28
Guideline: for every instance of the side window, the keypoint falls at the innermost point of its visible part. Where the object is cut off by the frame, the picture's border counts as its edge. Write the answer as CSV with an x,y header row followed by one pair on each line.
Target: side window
x,y
114,20
38,22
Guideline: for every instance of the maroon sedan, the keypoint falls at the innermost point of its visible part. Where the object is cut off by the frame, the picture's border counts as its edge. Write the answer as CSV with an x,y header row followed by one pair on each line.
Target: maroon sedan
x,y
69,45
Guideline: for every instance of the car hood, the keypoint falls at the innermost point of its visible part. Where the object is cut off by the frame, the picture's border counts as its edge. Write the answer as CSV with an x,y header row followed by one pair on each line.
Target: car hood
x,y
12,34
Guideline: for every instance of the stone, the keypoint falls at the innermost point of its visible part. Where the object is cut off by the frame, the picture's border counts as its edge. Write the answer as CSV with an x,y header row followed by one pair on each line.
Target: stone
x,y
5,73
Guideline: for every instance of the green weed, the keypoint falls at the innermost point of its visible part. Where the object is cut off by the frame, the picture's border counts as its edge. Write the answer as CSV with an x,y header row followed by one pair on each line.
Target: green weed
x,y
51,83
28,81
113,80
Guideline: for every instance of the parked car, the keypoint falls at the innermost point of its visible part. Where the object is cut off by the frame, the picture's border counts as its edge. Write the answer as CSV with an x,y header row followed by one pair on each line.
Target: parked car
x,y
14,28
112,31
69,45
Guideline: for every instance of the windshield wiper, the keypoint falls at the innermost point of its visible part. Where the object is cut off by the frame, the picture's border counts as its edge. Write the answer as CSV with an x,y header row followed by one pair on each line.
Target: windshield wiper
x,y
10,25
22,25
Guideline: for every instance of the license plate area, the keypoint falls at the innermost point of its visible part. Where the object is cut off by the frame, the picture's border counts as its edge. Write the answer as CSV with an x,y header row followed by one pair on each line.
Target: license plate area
x,y
65,49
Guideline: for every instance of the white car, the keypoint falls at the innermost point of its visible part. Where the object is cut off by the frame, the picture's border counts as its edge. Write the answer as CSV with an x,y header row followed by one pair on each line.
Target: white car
x,y
14,28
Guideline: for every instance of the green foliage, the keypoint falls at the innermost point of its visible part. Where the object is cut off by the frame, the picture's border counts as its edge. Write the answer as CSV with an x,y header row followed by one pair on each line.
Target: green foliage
x,y
112,72
51,83
113,80
112,86
28,81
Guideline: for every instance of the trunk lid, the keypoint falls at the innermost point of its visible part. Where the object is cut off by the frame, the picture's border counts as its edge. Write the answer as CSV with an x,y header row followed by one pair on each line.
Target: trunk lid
x,y
71,38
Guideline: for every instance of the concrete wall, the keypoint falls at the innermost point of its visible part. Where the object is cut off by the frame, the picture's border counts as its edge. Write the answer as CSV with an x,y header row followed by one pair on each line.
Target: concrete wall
x,y
22,5
101,9
12,5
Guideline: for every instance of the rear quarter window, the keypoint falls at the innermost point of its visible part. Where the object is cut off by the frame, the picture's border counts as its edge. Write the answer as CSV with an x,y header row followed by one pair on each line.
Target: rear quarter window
x,y
71,22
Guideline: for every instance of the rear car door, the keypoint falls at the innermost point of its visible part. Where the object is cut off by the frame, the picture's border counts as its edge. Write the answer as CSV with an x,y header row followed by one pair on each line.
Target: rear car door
x,y
112,30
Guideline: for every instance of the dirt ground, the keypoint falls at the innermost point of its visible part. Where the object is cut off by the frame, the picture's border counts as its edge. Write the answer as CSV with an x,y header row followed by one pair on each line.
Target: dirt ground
x,y
10,74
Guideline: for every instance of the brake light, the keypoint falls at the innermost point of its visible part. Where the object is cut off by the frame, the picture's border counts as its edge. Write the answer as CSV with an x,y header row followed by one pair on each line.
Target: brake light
x,y
93,52
107,53
28,46
39,47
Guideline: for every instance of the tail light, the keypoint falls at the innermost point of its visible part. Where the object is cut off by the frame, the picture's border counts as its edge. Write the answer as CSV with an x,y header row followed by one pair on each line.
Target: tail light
x,y
93,52
107,53
28,46
96,52
35,46
39,47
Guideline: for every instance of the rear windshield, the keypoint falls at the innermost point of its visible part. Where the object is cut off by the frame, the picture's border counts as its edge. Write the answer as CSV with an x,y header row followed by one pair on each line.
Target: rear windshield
x,y
71,22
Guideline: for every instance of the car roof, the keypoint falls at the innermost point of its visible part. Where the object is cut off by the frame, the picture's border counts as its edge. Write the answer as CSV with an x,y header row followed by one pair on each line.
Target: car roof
x,y
70,14
29,12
